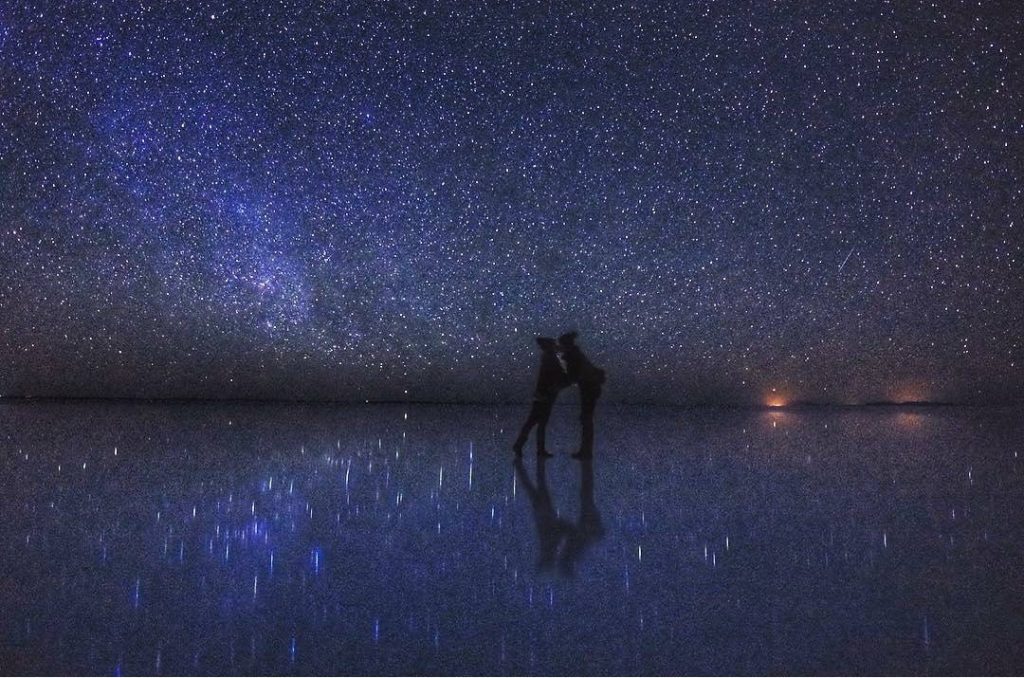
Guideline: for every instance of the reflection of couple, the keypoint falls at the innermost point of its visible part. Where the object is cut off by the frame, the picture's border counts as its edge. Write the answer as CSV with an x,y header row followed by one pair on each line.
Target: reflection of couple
x,y
551,529
552,379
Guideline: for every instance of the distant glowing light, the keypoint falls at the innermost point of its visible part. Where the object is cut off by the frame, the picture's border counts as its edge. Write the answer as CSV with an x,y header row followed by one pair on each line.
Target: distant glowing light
x,y
775,399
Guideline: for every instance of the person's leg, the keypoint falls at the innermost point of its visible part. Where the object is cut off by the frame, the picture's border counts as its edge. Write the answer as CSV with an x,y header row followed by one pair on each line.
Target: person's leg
x,y
588,403
543,415
524,432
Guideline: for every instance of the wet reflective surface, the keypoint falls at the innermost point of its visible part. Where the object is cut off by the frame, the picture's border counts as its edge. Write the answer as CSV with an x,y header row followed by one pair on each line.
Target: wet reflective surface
x,y
387,539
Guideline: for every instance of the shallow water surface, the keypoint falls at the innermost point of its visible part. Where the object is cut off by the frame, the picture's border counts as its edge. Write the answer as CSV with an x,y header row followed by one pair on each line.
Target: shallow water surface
x,y
200,538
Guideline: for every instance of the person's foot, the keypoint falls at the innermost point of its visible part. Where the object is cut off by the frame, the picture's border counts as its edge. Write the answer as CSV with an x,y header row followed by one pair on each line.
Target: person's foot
x,y
582,455
544,454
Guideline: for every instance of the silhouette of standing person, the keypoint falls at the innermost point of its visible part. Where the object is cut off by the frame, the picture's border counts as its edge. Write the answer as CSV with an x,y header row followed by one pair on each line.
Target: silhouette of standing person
x,y
550,381
550,528
590,379
588,529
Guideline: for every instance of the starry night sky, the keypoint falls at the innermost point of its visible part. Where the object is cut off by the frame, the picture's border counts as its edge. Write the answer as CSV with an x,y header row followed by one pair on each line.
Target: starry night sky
x,y
390,199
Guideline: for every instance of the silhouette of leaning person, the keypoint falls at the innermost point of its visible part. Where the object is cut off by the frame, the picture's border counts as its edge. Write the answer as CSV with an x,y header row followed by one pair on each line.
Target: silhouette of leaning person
x,y
550,381
551,529
590,379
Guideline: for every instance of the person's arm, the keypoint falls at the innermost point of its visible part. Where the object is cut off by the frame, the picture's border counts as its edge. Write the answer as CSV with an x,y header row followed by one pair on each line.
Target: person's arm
x,y
571,371
562,380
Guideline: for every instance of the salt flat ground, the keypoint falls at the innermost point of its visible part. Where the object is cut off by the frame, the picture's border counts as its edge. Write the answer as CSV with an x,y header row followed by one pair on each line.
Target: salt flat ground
x,y
388,539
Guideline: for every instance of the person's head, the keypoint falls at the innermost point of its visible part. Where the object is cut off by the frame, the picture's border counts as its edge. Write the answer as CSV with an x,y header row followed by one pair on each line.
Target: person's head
x,y
567,340
547,344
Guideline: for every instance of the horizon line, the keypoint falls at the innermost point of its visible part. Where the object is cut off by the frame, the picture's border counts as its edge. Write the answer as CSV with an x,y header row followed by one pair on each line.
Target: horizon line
x,y
796,404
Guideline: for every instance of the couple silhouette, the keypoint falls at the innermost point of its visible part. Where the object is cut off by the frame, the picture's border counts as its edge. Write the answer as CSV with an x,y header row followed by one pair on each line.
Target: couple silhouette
x,y
552,378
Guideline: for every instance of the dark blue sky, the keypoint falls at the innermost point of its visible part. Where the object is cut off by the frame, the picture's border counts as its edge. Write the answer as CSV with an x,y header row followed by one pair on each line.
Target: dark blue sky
x,y
333,200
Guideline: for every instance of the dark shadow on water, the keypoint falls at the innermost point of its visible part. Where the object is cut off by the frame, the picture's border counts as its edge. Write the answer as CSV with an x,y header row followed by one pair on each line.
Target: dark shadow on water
x,y
551,529
557,538
588,529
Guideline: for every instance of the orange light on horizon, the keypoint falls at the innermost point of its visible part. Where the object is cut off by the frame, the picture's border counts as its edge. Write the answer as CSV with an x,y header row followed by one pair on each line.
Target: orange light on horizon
x,y
775,400
911,393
